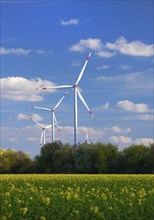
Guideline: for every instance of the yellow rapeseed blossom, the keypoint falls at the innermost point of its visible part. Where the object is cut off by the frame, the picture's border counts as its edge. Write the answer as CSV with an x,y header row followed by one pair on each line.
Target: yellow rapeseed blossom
x,y
75,196
24,210
42,218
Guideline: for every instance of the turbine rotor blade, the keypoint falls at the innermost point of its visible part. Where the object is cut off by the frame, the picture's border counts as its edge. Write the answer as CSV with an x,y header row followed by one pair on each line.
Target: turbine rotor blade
x,y
30,117
56,123
56,106
48,126
47,109
83,68
55,87
85,104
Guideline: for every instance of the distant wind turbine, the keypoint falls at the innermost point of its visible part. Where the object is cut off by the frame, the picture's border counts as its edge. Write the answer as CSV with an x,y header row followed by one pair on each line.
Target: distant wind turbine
x,y
53,116
86,141
76,93
43,128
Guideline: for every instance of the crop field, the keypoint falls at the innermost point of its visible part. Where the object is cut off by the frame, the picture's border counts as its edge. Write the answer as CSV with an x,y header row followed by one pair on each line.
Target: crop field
x,y
71,197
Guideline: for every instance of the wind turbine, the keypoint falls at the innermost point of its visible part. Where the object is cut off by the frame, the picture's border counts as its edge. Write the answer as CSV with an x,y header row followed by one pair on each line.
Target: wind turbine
x,y
53,116
43,128
87,139
76,93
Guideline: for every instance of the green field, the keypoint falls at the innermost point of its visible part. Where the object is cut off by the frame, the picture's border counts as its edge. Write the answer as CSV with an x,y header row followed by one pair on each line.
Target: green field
x,y
71,197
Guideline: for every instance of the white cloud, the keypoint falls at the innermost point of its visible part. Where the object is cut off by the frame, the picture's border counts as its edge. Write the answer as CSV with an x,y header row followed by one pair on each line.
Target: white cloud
x,y
134,48
130,106
29,136
90,43
142,117
144,141
22,116
125,67
75,63
22,89
17,51
109,49
121,139
73,21
105,106
103,67
129,140
130,82
116,129
40,51
105,54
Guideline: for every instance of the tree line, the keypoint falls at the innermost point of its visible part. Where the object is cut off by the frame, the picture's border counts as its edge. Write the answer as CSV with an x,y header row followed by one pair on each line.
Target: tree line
x,y
98,158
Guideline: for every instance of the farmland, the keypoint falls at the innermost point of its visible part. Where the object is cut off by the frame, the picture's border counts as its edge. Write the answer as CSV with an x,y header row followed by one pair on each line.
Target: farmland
x,y
85,197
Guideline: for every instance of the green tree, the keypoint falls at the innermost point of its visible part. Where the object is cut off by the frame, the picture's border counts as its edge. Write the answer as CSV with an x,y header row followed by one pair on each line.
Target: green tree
x,y
47,161
150,159
64,159
12,161
106,155
84,158
134,159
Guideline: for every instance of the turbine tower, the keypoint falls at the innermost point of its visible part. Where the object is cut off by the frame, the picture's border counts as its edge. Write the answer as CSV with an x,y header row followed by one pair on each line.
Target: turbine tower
x,y
76,93
43,128
53,116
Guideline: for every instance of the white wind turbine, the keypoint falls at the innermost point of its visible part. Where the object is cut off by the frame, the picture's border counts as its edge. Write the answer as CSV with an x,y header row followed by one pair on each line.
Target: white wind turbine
x,y
53,116
86,141
43,128
76,93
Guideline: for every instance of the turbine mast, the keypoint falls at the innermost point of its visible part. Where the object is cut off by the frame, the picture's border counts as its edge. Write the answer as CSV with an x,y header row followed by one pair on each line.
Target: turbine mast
x,y
75,118
53,127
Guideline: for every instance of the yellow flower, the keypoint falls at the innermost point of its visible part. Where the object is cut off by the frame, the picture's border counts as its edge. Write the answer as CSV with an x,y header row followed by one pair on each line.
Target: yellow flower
x,y
4,218
68,195
132,195
24,210
76,212
7,193
42,218
94,209
47,200
103,196
75,196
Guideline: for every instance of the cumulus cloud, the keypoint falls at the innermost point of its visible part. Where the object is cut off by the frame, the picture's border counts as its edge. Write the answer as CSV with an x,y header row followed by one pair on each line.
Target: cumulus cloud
x,y
130,82
22,116
105,54
72,21
125,67
142,117
144,141
22,89
17,51
121,139
134,48
105,106
110,49
130,106
116,129
129,140
90,43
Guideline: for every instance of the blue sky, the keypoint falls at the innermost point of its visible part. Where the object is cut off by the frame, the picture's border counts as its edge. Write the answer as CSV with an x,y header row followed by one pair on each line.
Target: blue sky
x,y
45,43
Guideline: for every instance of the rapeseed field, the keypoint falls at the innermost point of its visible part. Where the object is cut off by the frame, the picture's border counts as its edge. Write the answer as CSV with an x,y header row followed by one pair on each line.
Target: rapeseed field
x,y
76,197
